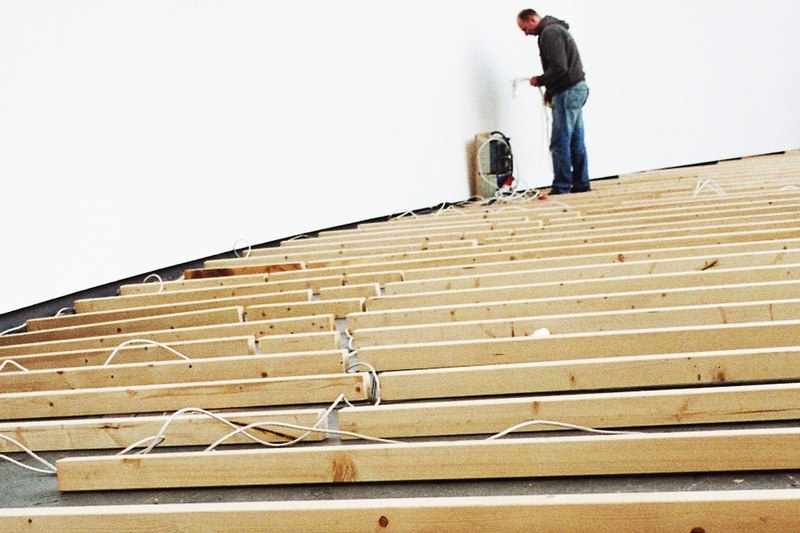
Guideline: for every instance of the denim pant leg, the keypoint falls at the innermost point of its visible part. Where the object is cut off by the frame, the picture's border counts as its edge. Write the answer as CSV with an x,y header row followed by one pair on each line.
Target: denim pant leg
x,y
566,141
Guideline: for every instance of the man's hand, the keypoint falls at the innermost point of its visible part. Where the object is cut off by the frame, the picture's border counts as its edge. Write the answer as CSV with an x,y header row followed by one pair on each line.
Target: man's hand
x,y
535,81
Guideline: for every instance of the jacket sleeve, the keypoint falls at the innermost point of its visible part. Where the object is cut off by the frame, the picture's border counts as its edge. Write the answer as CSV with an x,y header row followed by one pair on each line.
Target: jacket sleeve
x,y
553,50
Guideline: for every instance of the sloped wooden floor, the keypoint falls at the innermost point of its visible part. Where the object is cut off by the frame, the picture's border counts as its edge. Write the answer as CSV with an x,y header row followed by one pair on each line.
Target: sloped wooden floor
x,y
662,306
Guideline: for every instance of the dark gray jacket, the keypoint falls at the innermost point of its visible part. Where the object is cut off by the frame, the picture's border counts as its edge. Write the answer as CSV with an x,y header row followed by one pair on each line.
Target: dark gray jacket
x,y
561,61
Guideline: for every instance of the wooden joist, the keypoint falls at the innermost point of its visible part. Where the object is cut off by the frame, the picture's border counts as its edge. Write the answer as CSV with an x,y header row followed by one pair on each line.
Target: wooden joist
x,y
755,365
259,328
136,353
364,290
189,429
747,403
110,303
643,453
651,341
582,302
338,308
767,511
209,317
723,313
171,397
326,340
610,270
198,273
176,371
670,280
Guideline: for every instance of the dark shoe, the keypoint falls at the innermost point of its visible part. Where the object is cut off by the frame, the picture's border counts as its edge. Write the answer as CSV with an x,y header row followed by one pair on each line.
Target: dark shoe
x,y
587,189
556,191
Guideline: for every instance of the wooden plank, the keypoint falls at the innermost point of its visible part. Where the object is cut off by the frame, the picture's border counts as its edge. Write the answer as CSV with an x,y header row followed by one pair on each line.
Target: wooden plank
x,y
329,340
224,347
775,246
583,345
610,270
290,254
208,317
120,432
359,242
161,298
648,453
622,246
669,280
767,511
259,328
707,405
379,277
177,371
94,317
171,397
572,375
197,273
727,313
337,308
363,290
591,302
186,284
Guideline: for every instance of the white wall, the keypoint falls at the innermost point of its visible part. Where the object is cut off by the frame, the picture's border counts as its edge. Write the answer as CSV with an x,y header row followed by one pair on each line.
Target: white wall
x,y
140,134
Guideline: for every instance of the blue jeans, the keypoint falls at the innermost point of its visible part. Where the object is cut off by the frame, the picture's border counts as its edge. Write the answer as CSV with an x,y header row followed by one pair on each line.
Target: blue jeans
x,y
570,165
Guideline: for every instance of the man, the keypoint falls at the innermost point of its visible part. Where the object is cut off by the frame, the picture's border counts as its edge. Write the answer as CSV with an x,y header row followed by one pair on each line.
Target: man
x,y
566,92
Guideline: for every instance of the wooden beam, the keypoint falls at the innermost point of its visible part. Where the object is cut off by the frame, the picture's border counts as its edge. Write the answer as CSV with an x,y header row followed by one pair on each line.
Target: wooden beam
x,y
648,453
767,511
717,294
131,313
260,328
727,313
171,397
364,290
583,345
109,303
225,347
208,317
708,405
337,308
775,246
669,280
177,371
185,284
328,340
747,259
197,273
120,432
755,365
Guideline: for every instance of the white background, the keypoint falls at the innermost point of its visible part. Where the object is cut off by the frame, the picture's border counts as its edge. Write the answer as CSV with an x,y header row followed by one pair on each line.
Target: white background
x,y
136,135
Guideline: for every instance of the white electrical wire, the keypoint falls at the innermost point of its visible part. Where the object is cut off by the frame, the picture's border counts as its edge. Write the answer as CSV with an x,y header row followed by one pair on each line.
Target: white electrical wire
x,y
51,468
64,310
376,384
11,362
710,184
558,424
157,278
236,248
15,328
142,341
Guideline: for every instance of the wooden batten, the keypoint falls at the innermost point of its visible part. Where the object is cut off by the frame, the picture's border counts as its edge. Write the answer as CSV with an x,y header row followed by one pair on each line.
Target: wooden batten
x,y
244,393
648,453
110,303
734,276
188,284
190,429
757,365
136,353
726,313
669,407
587,303
328,340
210,317
364,290
583,345
769,511
198,273
283,326
338,308
176,371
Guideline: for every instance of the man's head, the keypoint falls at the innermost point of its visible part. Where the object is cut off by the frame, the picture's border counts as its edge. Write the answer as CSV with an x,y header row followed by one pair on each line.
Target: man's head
x,y
528,20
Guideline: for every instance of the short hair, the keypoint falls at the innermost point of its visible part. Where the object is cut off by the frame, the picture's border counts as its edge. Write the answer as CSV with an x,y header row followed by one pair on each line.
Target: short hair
x,y
525,14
